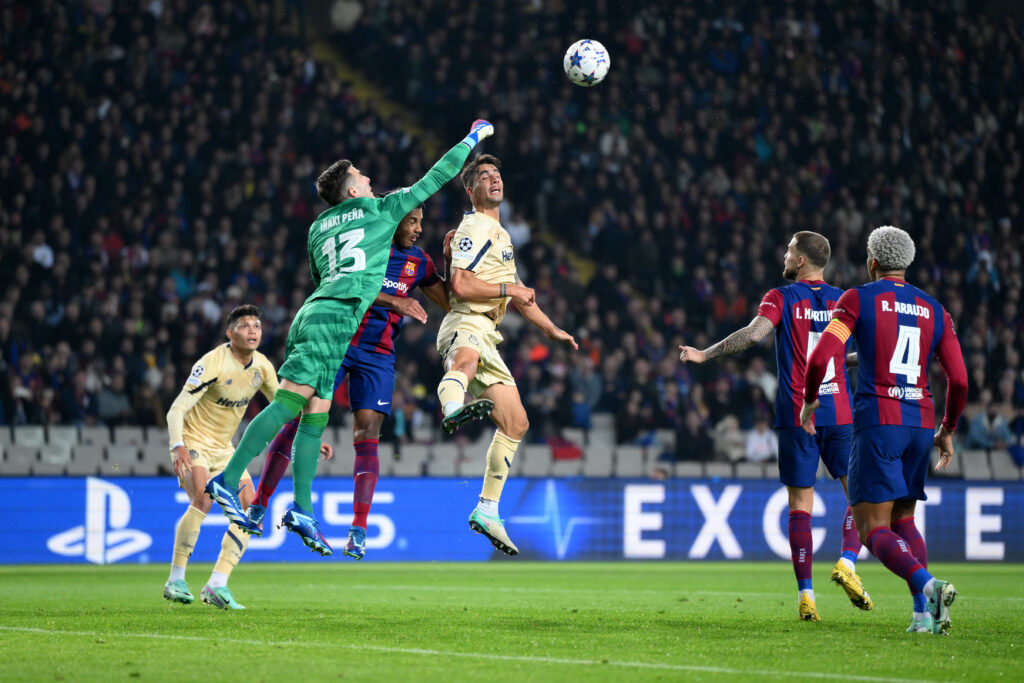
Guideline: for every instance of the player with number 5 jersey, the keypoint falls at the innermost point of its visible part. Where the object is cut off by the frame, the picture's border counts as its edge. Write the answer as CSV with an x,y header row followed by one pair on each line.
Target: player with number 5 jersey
x,y
898,328
349,245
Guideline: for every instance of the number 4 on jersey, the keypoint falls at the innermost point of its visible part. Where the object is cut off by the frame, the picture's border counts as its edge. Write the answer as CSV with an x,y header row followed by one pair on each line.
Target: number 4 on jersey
x,y
346,250
906,358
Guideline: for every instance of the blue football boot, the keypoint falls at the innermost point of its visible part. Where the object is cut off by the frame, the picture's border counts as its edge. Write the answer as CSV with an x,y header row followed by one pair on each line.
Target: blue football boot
x,y
305,525
355,547
256,515
228,502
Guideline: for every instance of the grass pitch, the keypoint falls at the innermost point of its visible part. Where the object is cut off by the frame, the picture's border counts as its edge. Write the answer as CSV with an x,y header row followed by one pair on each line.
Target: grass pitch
x,y
499,621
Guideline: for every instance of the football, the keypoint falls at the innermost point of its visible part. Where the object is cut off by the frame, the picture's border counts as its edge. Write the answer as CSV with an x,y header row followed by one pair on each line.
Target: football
x,y
586,62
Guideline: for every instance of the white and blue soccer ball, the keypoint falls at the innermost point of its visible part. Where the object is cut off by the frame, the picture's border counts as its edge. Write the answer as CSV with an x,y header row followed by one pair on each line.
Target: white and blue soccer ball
x,y
586,62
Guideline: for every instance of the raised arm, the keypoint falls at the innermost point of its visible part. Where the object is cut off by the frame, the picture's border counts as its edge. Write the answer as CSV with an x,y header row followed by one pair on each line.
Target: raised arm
x,y
398,204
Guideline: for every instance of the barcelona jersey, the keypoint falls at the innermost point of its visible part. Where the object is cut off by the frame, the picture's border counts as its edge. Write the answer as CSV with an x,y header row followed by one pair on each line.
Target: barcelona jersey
x,y
800,312
380,327
897,327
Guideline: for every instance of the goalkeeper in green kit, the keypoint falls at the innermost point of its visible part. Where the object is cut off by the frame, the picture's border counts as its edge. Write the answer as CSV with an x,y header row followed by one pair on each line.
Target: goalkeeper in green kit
x,y
349,245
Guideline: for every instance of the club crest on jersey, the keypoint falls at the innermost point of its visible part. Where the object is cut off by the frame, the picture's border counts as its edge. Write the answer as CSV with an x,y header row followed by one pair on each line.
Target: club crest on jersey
x,y
257,379
409,269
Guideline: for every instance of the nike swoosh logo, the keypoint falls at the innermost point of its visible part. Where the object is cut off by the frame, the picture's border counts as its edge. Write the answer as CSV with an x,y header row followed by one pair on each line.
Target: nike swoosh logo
x,y
382,403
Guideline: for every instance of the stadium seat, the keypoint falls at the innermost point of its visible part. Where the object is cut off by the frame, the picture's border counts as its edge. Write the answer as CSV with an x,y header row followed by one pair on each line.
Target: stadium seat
x,y
955,469
156,458
120,461
721,470
472,467
441,466
689,470
19,460
5,436
629,461
425,432
536,460
85,461
157,435
750,470
598,459
29,435
129,436
410,464
386,458
567,468
574,434
976,467
667,439
64,435
602,428
444,460
94,436
1003,466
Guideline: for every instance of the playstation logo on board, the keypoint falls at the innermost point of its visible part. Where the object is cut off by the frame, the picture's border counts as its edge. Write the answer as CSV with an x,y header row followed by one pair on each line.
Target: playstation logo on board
x,y
105,537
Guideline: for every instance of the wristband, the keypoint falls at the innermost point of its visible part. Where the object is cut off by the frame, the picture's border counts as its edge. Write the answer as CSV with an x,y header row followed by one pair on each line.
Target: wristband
x,y
501,291
180,443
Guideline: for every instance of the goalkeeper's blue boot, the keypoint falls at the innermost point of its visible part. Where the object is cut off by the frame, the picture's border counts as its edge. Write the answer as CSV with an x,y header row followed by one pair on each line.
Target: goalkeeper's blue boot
x,y
256,515
305,525
355,547
228,502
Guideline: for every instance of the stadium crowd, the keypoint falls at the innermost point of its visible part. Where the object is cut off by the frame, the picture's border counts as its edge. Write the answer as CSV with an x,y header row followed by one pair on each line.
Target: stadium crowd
x,y
158,162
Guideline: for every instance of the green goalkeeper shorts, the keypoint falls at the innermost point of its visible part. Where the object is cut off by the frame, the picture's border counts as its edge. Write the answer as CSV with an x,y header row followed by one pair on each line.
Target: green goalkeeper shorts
x,y
318,341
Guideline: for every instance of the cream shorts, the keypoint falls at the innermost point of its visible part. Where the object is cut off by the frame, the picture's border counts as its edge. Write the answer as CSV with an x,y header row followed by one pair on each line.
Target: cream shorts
x,y
475,331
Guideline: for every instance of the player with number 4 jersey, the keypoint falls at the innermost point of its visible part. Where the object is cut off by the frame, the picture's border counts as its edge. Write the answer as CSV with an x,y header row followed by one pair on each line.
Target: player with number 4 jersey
x,y
898,328
799,314
349,246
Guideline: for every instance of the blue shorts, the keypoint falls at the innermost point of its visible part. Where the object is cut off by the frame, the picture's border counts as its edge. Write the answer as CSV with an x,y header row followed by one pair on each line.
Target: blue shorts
x,y
371,379
889,463
799,453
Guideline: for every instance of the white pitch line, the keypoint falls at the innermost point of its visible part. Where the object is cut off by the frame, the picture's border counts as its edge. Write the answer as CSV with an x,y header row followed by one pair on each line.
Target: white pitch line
x,y
614,591
526,659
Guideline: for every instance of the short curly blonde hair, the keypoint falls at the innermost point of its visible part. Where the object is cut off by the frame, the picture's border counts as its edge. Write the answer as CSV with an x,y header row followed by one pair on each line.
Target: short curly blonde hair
x,y
891,247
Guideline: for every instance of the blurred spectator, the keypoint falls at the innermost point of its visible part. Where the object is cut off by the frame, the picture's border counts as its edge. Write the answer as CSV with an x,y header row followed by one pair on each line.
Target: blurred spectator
x,y
693,441
988,428
762,443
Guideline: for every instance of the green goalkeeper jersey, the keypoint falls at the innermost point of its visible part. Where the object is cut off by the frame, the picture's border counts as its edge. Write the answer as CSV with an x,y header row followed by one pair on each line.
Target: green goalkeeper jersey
x,y
350,243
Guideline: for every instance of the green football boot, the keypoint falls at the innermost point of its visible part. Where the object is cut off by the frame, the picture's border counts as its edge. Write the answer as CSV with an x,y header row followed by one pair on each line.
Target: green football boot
x,y
494,529
220,597
177,591
938,606
923,625
474,410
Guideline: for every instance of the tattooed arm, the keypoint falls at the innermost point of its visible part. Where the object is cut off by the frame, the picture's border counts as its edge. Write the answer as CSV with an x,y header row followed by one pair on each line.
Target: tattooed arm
x,y
739,340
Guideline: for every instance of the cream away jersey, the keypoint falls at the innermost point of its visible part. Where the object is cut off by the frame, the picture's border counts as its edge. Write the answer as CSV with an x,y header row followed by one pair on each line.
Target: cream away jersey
x,y
483,247
211,405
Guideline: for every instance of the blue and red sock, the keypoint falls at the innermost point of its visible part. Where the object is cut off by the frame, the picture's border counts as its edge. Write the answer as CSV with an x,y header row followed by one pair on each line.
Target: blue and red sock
x,y
895,554
851,539
365,472
907,530
278,456
802,546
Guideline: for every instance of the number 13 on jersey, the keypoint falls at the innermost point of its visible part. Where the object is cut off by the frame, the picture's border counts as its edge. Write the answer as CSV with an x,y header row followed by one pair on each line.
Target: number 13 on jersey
x,y
346,249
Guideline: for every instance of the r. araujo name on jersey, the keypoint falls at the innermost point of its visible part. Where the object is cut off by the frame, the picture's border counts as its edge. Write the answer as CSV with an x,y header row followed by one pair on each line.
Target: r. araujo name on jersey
x,y
380,327
897,327
800,313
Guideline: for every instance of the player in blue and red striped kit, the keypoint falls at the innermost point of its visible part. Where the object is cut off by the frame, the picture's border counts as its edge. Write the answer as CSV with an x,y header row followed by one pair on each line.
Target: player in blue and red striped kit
x,y
898,328
799,314
370,366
